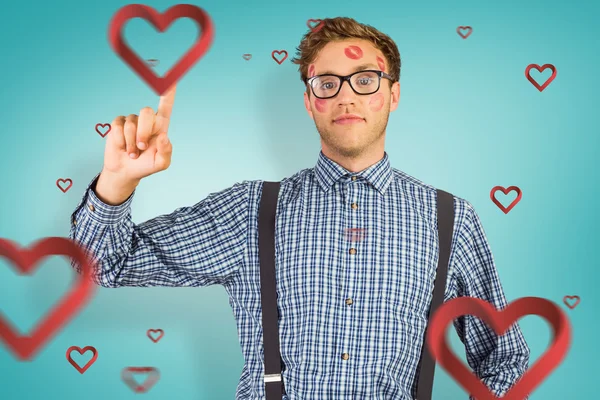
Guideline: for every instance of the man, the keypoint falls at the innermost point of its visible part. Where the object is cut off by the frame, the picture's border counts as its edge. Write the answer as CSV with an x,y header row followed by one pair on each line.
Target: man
x,y
356,240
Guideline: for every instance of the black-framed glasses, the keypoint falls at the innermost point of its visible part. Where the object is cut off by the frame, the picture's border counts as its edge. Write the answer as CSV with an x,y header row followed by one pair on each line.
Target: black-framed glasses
x,y
361,82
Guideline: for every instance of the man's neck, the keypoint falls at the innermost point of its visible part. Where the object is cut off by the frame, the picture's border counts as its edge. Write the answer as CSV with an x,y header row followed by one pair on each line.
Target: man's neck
x,y
358,164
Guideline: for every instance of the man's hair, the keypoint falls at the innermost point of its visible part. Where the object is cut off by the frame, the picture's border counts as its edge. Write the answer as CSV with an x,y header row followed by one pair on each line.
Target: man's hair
x,y
344,28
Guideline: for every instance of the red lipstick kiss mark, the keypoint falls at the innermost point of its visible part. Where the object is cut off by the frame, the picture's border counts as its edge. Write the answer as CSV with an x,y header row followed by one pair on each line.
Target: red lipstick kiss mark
x,y
161,22
381,63
355,234
162,333
246,56
540,69
315,25
571,306
460,28
81,351
63,181
376,102
505,191
127,376
279,52
311,71
98,126
353,52
25,261
320,105
500,321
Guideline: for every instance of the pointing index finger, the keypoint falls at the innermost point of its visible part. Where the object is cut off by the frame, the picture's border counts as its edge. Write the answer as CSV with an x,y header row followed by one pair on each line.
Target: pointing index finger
x,y
165,104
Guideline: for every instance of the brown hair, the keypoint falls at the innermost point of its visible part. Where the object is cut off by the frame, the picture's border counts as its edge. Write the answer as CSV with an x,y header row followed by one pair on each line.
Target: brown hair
x,y
343,28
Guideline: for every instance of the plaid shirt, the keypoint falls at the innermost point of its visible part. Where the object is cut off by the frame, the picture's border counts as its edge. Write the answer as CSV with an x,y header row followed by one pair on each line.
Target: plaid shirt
x,y
356,256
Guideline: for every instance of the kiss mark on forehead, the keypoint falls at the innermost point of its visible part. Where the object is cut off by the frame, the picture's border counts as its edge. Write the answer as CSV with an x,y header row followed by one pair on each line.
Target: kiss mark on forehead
x,y
381,63
320,105
311,71
353,52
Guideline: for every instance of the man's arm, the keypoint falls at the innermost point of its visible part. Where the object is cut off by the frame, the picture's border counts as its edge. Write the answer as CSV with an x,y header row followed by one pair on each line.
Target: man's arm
x,y
198,245
499,361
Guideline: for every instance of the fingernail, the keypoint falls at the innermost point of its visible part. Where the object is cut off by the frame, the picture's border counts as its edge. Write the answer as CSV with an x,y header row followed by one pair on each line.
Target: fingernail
x,y
132,155
141,145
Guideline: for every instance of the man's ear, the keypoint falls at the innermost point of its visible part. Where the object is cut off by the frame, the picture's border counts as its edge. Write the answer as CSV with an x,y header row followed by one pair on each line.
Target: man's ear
x,y
394,96
307,104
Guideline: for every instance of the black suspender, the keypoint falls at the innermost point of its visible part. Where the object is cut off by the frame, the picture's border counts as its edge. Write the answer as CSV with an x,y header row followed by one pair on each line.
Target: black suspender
x,y
274,388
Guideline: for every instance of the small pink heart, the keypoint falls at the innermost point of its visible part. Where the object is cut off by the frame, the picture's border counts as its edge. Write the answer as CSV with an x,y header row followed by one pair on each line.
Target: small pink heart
x,y
505,210
61,181
246,56
315,25
279,52
461,28
150,331
99,126
571,305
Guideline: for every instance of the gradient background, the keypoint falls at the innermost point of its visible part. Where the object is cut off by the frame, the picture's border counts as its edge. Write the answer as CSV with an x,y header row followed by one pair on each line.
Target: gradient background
x,y
468,120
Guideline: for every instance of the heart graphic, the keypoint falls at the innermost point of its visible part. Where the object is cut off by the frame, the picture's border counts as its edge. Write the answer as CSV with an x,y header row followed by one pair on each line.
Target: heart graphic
x,y
62,181
540,69
81,351
505,191
571,306
500,321
460,28
161,22
355,234
25,261
246,56
153,62
127,376
315,25
279,52
98,126
150,331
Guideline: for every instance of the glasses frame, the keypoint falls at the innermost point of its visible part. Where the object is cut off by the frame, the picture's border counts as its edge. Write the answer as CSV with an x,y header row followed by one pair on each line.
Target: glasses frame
x,y
380,74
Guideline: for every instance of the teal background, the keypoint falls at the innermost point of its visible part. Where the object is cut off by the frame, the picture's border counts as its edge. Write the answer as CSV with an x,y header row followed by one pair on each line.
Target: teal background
x,y
468,120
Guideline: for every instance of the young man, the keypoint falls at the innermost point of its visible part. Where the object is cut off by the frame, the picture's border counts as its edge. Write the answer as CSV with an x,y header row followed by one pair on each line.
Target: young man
x,y
356,240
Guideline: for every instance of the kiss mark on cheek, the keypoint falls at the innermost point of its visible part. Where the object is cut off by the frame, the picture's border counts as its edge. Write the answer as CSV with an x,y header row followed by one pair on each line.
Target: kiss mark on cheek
x,y
381,63
311,71
353,52
320,105
376,102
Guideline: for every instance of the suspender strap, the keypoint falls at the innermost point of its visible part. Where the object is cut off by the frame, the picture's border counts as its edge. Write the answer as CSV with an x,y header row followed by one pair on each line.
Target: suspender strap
x,y
270,317
445,215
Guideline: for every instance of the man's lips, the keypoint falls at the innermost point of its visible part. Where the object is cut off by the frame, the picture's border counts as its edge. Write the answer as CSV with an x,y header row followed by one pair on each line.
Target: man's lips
x,y
348,120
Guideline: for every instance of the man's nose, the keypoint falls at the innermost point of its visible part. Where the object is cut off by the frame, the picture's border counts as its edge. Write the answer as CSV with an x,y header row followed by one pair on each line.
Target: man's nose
x,y
346,94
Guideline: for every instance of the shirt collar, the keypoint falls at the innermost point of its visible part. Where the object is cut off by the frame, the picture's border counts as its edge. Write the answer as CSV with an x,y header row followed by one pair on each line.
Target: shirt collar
x,y
379,175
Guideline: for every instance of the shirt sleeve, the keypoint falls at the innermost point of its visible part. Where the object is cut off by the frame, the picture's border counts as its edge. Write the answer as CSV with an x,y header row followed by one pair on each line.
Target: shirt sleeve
x,y
499,361
196,245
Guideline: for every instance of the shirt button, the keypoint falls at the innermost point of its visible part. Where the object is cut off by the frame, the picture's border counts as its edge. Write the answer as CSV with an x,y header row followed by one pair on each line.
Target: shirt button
x,y
354,206
353,251
348,301
74,222
345,356
91,207
353,178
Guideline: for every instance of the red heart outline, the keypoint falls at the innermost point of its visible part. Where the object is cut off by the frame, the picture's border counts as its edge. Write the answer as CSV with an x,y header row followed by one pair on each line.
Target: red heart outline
x,y
161,22
317,27
162,333
127,376
279,52
540,69
247,56
500,321
61,180
458,30
26,261
570,298
102,126
81,351
505,191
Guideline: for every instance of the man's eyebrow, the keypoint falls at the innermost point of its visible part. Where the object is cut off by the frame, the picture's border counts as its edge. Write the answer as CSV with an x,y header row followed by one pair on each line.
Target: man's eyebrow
x,y
358,68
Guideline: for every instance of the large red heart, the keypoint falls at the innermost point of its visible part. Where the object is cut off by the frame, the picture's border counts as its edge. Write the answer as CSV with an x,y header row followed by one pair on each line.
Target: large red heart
x,y
25,261
81,351
505,210
500,321
161,22
540,69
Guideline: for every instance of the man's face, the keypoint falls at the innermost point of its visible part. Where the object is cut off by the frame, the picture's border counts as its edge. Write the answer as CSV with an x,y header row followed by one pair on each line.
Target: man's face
x,y
351,137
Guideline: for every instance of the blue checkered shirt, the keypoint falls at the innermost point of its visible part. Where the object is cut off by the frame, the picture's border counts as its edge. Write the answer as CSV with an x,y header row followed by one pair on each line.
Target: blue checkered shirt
x,y
353,305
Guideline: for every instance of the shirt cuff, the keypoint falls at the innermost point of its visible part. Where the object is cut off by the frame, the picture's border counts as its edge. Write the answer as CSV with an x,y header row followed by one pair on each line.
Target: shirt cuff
x,y
101,212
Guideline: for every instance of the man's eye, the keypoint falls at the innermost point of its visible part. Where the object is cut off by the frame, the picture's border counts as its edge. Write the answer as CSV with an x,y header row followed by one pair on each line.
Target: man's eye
x,y
325,85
